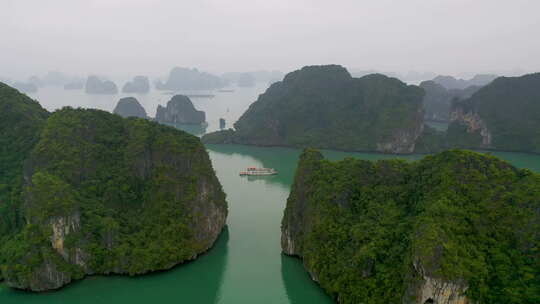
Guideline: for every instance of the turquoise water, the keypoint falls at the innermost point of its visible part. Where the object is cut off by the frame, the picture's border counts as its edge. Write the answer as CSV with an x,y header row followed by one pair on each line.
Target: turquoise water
x,y
246,264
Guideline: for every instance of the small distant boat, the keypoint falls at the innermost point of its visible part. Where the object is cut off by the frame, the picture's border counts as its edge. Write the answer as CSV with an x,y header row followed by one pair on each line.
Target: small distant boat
x,y
225,91
252,171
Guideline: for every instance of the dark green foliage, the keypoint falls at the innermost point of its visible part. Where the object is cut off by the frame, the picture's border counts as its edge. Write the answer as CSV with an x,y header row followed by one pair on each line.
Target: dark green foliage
x,y
220,137
457,136
430,141
510,109
128,191
465,217
323,106
21,121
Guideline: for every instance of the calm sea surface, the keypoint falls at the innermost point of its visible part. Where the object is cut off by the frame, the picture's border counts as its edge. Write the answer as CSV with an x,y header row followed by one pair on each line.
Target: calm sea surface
x,y
246,264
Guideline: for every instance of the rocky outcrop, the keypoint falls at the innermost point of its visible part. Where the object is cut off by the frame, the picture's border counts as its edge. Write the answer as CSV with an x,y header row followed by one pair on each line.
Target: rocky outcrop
x,y
425,230
430,289
465,116
324,107
146,200
139,85
180,110
129,107
94,85
503,114
403,141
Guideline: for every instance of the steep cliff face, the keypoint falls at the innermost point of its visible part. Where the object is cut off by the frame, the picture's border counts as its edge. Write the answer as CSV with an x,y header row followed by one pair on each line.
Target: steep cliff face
x,y
324,107
503,114
403,141
440,230
437,290
129,107
464,116
109,195
21,121
180,110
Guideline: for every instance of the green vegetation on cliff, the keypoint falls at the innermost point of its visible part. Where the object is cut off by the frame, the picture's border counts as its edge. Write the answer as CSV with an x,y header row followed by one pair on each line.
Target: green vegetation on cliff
x,y
504,115
457,225
104,194
324,107
20,123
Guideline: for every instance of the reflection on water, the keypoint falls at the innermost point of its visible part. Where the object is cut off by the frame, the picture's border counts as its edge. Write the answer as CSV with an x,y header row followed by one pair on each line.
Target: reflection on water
x,y
294,277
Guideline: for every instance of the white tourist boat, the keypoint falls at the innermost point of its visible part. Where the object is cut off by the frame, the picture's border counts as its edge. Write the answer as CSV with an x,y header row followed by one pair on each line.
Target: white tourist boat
x,y
253,171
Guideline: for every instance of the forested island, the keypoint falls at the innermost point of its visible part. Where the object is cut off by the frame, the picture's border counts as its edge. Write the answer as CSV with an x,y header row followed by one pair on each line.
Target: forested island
x,y
86,192
504,116
324,107
130,107
180,110
456,227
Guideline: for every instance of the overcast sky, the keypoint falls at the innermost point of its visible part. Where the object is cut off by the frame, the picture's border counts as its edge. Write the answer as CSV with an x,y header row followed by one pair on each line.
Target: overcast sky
x,y
124,37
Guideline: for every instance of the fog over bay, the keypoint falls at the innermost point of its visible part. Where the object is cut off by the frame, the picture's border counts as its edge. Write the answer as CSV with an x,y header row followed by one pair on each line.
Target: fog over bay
x,y
129,37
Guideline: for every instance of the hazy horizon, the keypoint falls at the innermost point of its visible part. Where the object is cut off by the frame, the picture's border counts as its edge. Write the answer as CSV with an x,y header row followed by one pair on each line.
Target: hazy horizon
x,y
131,37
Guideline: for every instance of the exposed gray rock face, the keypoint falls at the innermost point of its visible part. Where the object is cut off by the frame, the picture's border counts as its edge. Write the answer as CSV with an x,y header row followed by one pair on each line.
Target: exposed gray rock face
x,y
180,110
96,86
139,84
403,141
473,122
130,107
436,290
